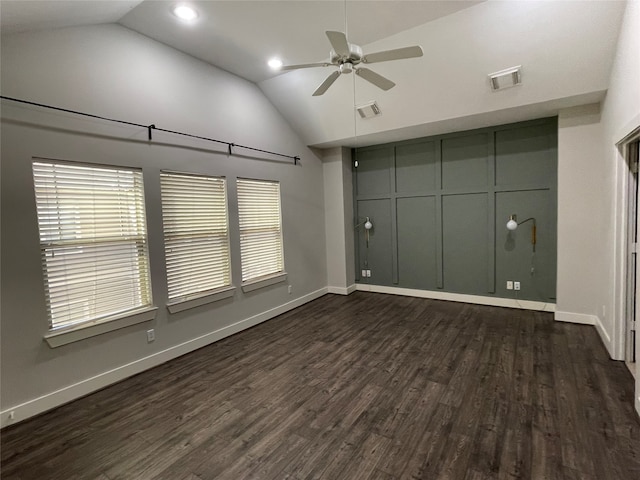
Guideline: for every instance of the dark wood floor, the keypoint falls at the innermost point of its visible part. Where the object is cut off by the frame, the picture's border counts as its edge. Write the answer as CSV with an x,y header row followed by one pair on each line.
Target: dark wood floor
x,y
367,386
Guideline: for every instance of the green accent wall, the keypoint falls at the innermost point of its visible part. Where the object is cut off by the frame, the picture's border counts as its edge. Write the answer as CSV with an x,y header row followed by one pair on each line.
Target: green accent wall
x,y
439,206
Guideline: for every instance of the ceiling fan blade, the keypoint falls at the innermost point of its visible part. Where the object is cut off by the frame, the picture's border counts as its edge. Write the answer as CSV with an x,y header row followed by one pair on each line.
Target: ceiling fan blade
x,y
375,78
304,65
339,43
397,54
326,84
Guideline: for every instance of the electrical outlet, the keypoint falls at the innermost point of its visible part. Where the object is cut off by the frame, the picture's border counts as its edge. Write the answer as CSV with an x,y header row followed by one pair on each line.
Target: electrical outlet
x,y
509,285
368,273
364,274
151,335
290,289
516,285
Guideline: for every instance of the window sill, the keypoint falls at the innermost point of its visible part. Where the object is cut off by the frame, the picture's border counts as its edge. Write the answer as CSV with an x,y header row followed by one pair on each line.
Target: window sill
x,y
262,282
75,333
198,300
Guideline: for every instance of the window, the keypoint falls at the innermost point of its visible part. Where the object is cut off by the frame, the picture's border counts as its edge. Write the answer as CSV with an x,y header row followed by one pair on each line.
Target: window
x,y
93,241
196,235
260,229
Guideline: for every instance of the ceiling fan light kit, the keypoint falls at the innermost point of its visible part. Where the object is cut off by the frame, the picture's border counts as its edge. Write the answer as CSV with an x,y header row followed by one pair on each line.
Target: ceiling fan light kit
x,y
348,56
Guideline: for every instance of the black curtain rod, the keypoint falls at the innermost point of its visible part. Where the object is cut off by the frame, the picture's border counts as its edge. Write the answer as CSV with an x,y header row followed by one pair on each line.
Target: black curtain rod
x,y
151,127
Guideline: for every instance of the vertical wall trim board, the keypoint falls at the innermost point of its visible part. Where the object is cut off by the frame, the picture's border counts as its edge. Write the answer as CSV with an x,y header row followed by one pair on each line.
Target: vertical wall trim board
x,y
65,395
356,235
394,217
440,241
439,233
491,231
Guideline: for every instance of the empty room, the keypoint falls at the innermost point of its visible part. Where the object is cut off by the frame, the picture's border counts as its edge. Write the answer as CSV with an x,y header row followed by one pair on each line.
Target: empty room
x,y
319,239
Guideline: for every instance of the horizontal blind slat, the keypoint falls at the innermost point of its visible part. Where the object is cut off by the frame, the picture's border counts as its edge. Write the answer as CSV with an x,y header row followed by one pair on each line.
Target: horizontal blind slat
x,y
196,233
93,240
260,228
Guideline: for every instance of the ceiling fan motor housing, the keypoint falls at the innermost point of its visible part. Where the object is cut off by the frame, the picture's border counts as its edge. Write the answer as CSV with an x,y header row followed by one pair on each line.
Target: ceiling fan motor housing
x,y
355,55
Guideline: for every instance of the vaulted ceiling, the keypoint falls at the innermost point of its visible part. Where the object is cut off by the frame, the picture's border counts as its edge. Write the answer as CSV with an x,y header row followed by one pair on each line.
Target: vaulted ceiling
x,y
565,49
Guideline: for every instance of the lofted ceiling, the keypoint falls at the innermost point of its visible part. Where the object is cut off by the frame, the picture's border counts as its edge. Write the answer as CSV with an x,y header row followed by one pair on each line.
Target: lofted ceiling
x,y
239,36
29,15
565,49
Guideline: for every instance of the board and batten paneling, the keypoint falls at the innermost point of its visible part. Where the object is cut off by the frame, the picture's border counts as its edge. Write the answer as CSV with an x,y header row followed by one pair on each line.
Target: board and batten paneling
x,y
439,206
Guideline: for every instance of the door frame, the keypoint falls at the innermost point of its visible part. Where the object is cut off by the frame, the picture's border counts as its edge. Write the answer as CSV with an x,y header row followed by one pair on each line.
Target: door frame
x,y
621,214
631,312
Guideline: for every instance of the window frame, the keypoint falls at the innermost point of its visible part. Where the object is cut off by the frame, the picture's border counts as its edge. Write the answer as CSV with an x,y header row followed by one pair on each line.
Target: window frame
x,y
270,278
195,298
52,205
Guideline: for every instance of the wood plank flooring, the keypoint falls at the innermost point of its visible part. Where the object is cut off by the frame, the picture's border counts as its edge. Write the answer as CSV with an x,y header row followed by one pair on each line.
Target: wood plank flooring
x,y
368,386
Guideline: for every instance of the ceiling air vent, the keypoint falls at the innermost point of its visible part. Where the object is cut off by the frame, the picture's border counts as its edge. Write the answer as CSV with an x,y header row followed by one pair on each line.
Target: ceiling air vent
x,y
369,110
509,77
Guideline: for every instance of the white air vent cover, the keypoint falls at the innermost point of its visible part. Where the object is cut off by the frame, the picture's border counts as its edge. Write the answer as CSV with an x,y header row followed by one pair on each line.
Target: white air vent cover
x,y
509,77
369,110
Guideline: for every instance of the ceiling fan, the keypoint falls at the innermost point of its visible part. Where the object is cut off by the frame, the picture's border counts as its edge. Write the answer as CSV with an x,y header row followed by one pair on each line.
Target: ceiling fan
x,y
346,56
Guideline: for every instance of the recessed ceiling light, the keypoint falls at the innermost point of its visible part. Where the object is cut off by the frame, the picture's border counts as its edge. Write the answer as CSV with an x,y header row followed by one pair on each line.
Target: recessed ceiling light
x,y
275,63
185,12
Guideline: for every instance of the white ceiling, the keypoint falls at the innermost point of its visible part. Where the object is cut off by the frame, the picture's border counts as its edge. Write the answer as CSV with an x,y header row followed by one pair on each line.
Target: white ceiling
x,y
566,49
238,36
29,15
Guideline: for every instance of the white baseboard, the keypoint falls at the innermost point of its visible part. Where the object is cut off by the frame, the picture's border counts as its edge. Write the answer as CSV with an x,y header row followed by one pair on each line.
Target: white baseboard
x,y
54,399
606,338
460,297
571,317
586,319
342,290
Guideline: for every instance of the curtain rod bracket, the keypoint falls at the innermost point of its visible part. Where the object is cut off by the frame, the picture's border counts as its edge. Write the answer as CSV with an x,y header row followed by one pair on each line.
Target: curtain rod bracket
x,y
231,145
149,128
296,160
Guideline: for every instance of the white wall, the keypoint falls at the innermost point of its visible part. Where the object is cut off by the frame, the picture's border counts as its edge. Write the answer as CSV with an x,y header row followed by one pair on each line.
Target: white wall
x,y
620,117
592,176
582,214
338,200
110,71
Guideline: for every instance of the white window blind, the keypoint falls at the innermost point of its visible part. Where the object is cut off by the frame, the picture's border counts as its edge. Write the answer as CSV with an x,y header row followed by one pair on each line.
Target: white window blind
x,y
196,234
260,228
93,241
